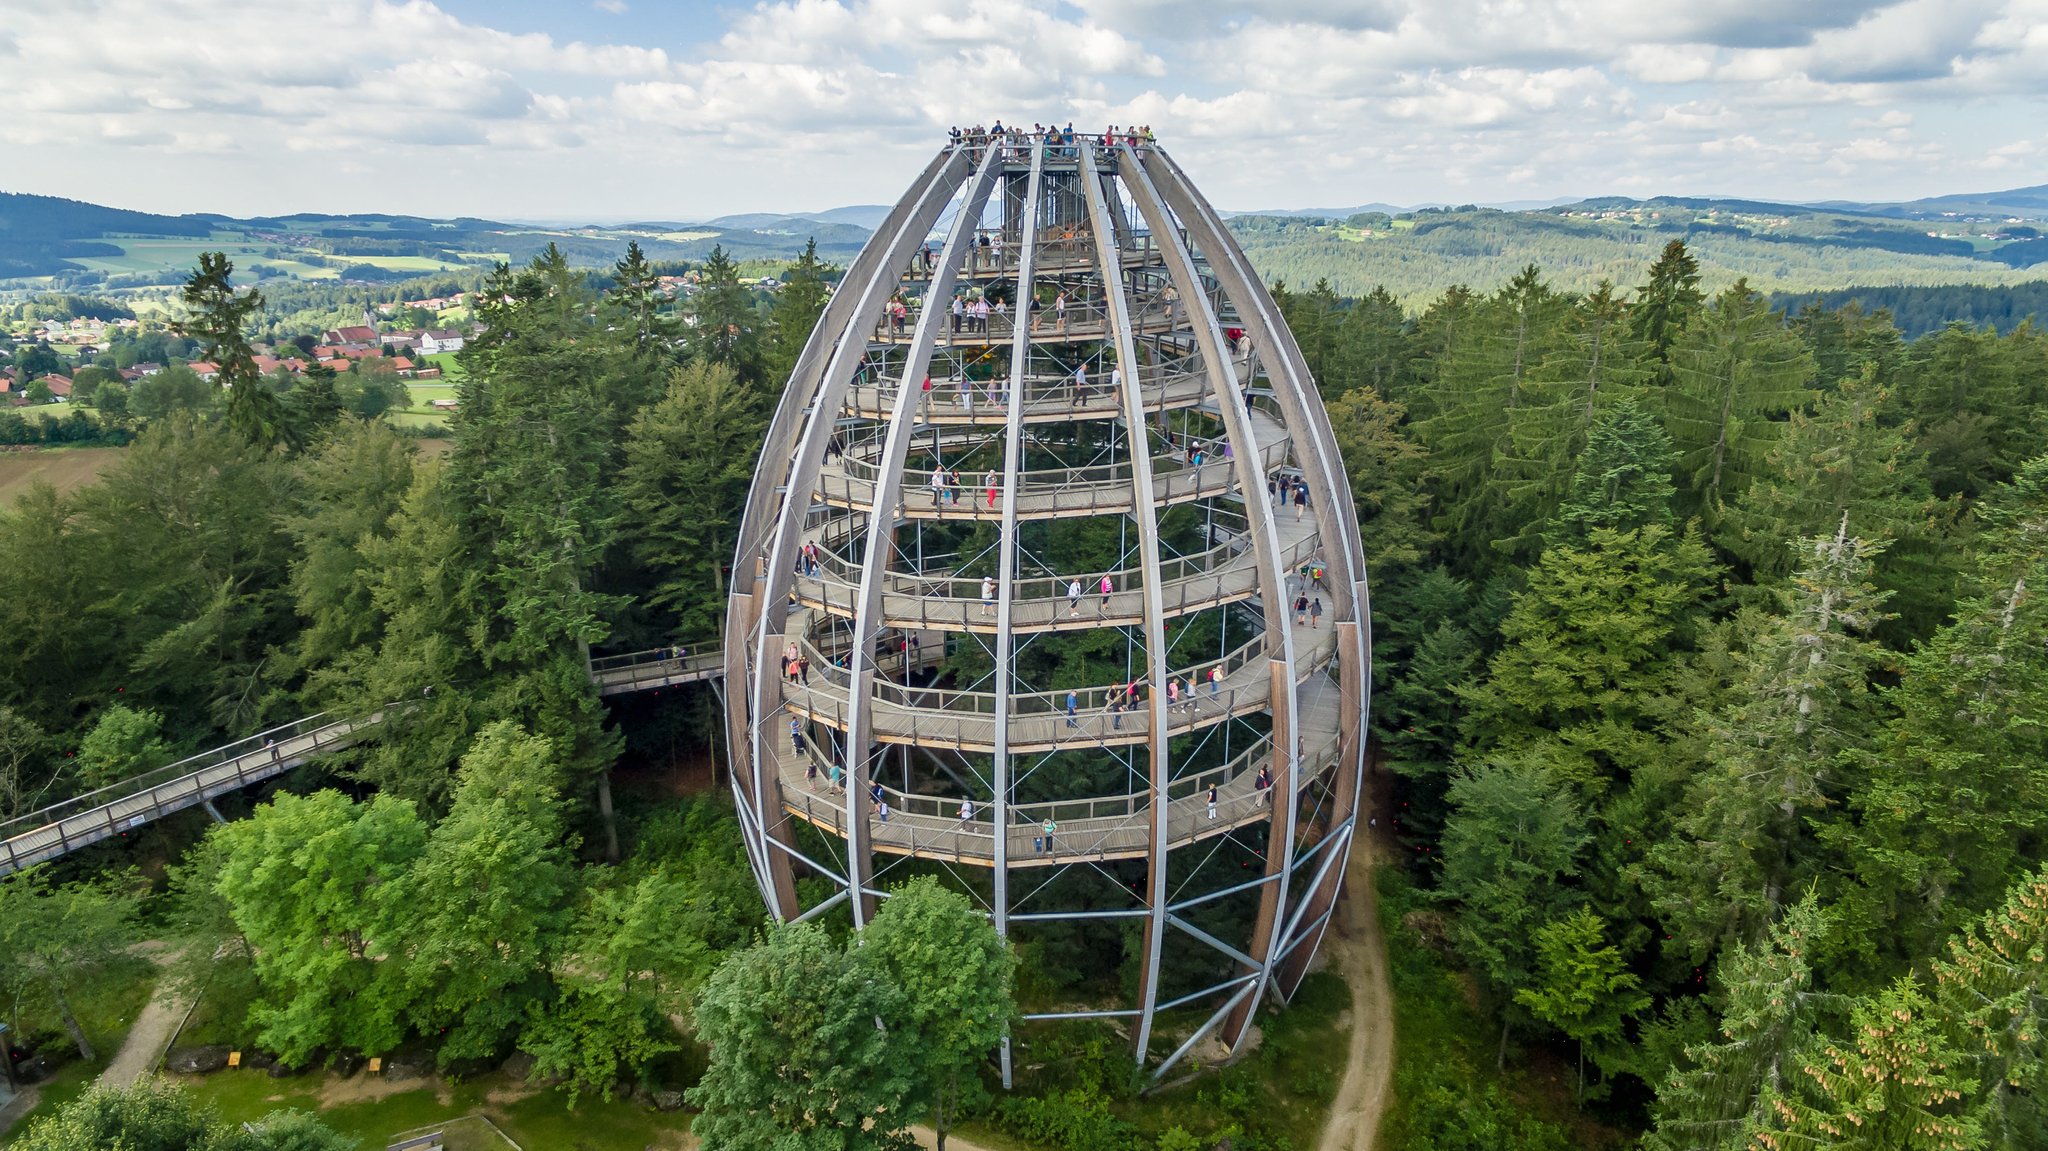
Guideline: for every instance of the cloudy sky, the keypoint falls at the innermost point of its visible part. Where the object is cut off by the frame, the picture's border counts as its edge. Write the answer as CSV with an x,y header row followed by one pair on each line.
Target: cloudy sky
x,y
567,109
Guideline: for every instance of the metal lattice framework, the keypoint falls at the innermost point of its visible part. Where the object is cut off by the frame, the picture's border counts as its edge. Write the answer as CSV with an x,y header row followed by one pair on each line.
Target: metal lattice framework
x,y
1025,514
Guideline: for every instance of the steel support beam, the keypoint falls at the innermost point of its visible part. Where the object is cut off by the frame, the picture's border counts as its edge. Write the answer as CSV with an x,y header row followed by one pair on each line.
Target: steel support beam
x,y
882,520
1138,439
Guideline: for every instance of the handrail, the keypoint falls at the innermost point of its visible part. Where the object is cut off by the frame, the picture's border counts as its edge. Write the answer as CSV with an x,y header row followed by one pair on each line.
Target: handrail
x,y
690,660
1070,495
956,397
58,829
955,601
926,824
964,702
123,788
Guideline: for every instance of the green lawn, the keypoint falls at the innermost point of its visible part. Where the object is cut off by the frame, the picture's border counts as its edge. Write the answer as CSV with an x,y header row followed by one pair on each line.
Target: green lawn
x,y
405,263
444,361
417,419
425,392
106,1009
541,1120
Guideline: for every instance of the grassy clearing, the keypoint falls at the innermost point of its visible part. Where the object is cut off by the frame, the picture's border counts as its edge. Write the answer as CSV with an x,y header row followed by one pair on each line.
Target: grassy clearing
x,y
450,370
1075,1087
418,419
106,1008
424,394
66,469
374,1110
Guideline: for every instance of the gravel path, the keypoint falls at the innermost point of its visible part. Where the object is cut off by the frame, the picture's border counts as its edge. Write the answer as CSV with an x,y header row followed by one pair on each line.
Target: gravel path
x,y
152,1030
1360,952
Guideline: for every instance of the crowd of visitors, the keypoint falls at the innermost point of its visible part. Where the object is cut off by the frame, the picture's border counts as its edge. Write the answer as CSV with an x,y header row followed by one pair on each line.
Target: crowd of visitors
x,y
1059,143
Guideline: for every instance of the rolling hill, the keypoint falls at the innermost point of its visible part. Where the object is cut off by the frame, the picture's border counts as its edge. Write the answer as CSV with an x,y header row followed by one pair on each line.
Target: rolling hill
x,y
1989,239
47,242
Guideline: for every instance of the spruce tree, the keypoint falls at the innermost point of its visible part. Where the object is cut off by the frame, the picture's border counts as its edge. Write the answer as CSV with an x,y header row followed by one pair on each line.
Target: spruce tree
x,y
1852,456
219,319
688,458
1389,478
1479,387
1770,1008
1373,346
1594,365
798,304
1737,373
1954,797
1623,478
1992,988
1664,306
725,328
1896,1083
1746,834
1967,390
643,332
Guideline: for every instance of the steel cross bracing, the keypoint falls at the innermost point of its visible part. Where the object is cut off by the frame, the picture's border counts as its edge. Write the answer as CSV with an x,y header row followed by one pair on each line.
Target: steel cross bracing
x,y
914,601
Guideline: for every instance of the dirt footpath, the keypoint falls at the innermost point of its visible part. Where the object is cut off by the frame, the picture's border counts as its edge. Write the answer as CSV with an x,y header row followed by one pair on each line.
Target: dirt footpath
x,y
1359,952
146,1040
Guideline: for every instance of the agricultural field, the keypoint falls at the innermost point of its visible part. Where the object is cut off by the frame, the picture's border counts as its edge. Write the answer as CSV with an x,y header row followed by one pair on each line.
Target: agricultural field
x,y
66,469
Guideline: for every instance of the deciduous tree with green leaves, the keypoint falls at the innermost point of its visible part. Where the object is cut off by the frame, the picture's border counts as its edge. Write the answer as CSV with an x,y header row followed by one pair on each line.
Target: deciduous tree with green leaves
x,y
955,975
320,886
489,895
154,1115
802,1055
123,742
55,938
1584,987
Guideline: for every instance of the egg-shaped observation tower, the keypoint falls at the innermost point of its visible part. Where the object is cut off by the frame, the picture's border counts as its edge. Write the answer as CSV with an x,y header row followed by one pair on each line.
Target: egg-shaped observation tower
x,y
1050,584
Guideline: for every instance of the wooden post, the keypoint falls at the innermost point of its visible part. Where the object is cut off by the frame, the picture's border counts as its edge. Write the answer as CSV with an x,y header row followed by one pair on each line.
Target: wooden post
x,y
1278,849
1344,797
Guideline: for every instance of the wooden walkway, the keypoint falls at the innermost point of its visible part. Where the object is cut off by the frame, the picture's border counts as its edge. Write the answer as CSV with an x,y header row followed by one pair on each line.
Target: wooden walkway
x,y
120,808
1104,828
123,807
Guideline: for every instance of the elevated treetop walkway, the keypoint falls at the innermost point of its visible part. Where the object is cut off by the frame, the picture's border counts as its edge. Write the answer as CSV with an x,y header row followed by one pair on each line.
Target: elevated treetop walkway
x,y
118,808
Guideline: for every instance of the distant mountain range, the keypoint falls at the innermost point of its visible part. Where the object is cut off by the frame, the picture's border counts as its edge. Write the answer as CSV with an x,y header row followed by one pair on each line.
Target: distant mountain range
x,y
1396,209
2025,203
70,243
1970,238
